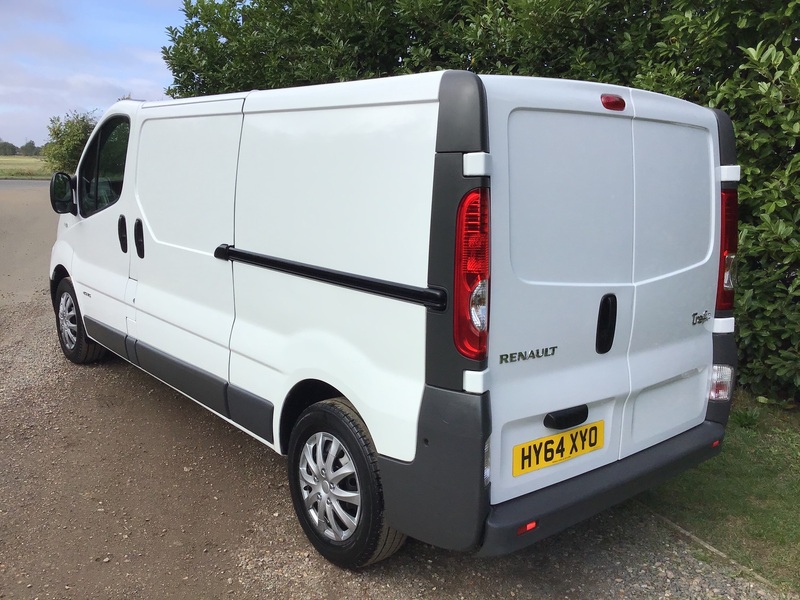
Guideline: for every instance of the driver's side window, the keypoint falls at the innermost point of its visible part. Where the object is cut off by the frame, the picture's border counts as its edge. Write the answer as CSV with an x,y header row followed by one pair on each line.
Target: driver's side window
x,y
102,171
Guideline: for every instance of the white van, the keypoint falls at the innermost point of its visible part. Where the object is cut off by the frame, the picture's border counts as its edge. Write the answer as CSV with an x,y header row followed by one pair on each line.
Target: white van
x,y
473,310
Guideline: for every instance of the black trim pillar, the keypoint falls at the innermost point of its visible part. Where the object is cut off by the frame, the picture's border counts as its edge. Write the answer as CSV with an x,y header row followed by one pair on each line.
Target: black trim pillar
x,y
440,497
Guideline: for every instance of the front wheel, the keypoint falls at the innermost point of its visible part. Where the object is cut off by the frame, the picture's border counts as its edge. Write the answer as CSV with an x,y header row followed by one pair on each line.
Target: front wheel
x,y
71,334
336,489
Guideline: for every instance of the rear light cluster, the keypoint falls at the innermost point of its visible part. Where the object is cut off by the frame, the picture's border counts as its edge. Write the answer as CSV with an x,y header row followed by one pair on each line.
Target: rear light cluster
x,y
471,284
729,243
721,387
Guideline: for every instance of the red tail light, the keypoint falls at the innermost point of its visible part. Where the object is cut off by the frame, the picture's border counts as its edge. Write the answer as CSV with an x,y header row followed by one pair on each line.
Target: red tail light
x,y
729,244
471,293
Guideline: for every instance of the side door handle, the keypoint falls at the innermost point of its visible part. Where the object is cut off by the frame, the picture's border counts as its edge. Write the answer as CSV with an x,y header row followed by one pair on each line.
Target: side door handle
x,y
138,237
122,231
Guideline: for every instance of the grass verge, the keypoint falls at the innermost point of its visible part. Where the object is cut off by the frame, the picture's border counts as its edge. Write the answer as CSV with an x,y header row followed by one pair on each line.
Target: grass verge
x,y
746,501
23,167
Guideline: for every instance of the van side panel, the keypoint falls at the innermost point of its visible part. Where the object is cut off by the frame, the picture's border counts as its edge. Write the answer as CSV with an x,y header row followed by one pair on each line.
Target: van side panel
x,y
340,175
185,182
347,189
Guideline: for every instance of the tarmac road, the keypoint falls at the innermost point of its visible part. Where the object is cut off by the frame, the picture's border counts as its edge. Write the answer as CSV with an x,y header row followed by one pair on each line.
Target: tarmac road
x,y
112,486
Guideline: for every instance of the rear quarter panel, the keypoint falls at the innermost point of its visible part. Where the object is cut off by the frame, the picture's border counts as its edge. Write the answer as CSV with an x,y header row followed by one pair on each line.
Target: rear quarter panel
x,y
348,188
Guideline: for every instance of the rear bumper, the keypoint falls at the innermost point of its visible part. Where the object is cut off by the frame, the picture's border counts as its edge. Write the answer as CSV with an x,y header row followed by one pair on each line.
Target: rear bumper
x,y
440,497
559,506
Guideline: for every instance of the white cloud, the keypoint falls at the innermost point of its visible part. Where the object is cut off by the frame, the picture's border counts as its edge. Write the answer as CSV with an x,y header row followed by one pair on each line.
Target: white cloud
x,y
84,57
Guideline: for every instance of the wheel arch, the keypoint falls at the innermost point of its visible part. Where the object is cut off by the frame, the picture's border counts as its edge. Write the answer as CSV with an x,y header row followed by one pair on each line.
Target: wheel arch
x,y
302,395
59,273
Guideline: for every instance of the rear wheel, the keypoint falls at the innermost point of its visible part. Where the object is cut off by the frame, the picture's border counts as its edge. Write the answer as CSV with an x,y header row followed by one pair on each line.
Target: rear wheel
x,y
336,488
71,334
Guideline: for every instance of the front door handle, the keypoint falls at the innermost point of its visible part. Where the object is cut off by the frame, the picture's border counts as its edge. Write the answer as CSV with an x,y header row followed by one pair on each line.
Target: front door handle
x,y
122,232
138,237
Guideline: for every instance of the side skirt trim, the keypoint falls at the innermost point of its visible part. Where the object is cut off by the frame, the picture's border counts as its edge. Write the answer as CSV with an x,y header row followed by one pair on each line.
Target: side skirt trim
x,y
204,387
248,412
251,412
107,336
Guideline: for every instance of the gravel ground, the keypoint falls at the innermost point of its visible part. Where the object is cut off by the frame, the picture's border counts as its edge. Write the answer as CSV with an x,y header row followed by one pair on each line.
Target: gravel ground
x,y
115,486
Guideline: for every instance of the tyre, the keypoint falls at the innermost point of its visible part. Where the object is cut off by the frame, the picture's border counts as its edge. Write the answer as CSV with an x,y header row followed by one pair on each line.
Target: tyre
x,y
69,324
336,488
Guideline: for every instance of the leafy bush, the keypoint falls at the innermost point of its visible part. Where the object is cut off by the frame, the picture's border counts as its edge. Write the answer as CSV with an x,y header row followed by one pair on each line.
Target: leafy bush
x,y
764,96
745,59
740,55
68,136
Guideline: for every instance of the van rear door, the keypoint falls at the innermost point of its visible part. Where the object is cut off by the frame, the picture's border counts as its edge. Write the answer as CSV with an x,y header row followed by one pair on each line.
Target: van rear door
x,y
675,268
601,253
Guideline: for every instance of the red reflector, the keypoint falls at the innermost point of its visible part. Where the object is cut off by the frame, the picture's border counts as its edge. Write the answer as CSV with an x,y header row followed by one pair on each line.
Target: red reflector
x,y
527,527
613,102
715,444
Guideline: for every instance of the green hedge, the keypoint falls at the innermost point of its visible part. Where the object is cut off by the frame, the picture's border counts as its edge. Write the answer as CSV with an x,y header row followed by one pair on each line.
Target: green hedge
x,y
764,99
740,55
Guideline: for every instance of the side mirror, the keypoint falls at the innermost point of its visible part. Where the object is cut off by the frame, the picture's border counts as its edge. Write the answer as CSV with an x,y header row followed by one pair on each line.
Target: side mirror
x,y
62,197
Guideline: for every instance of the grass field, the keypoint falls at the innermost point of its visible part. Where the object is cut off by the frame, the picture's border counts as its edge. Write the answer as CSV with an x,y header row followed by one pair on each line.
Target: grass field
x,y
23,167
746,501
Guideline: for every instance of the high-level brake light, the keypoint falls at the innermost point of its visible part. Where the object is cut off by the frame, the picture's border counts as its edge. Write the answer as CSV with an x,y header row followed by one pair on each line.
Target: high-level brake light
x,y
612,102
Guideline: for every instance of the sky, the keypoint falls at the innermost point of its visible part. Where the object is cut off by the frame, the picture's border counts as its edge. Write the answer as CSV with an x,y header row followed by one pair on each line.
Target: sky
x,y
62,55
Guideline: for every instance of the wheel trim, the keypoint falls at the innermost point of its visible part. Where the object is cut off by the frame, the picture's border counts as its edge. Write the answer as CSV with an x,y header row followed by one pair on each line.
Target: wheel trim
x,y
330,487
67,321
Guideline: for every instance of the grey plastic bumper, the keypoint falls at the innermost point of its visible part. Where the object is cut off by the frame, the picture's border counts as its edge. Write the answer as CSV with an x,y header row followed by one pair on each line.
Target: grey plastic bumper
x,y
559,506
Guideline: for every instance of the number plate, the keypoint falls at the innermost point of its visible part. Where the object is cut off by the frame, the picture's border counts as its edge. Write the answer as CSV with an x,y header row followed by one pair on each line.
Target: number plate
x,y
557,448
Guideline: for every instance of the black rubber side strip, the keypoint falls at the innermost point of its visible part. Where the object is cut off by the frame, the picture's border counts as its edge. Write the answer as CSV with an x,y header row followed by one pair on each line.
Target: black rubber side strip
x,y
199,385
106,336
433,298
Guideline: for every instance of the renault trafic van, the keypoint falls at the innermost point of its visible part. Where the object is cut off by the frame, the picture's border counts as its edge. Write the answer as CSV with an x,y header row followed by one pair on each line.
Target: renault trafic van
x,y
472,310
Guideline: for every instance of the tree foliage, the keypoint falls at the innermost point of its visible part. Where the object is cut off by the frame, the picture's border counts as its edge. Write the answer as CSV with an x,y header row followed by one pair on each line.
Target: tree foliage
x,y
68,136
29,148
7,148
740,55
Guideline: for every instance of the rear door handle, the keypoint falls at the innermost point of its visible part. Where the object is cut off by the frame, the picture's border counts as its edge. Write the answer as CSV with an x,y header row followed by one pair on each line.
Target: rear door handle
x,y
567,418
138,237
122,231
606,324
